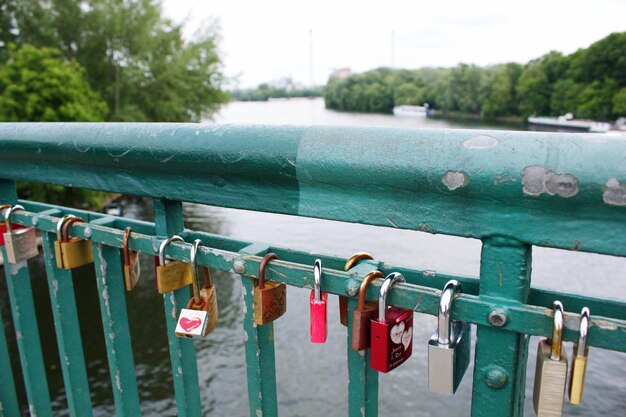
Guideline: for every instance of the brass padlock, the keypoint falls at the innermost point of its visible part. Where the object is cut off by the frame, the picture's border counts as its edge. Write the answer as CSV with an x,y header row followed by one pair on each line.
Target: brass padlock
x,y
21,244
200,316
343,300
363,314
71,253
132,270
579,360
270,298
551,373
173,275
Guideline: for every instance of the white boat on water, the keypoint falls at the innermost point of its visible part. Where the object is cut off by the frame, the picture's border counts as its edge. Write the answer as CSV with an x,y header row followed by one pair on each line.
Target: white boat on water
x,y
411,111
567,121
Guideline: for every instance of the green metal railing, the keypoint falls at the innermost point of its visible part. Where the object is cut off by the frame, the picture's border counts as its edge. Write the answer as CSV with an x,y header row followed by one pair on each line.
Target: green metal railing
x,y
512,190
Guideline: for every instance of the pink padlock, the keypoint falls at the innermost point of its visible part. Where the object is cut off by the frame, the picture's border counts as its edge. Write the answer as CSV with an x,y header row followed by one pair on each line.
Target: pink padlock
x,y
318,301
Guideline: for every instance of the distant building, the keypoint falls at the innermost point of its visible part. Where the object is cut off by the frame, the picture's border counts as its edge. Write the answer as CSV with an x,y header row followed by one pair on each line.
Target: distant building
x,y
341,73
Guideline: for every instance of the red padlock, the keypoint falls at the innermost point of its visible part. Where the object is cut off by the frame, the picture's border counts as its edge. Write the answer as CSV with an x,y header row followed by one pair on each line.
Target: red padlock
x,y
318,300
391,332
3,226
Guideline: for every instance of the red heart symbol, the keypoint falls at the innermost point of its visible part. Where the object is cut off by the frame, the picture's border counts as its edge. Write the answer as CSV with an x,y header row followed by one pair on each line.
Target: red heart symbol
x,y
190,324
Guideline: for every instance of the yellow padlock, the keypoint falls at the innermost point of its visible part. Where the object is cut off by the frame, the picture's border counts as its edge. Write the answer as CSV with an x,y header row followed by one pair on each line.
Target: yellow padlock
x,y
173,275
579,360
71,253
270,298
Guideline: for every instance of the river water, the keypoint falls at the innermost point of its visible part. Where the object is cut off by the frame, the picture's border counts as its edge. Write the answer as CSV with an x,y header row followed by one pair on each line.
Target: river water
x,y
312,379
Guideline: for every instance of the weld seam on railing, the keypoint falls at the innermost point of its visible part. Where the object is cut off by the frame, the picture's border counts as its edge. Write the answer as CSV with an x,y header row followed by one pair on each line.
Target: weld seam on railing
x,y
605,332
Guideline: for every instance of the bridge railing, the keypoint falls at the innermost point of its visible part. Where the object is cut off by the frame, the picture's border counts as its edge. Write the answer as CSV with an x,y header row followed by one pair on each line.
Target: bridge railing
x,y
511,190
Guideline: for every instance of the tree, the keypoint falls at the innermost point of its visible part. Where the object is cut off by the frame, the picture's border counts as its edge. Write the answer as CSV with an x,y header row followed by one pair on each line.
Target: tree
x,y
619,103
500,98
38,85
565,97
533,91
134,57
596,100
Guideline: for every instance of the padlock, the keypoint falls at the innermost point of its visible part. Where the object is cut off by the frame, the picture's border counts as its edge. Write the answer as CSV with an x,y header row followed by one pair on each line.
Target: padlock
x,y
3,226
71,253
551,372
132,269
392,332
173,275
449,347
343,300
270,298
579,360
21,244
318,300
200,316
363,314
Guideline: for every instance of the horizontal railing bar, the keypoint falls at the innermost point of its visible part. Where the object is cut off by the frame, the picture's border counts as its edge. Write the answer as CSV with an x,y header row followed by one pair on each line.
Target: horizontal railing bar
x,y
606,332
468,183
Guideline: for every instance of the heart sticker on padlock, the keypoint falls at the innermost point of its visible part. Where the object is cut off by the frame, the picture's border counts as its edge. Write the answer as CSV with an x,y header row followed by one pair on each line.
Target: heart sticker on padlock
x,y
406,337
190,324
396,333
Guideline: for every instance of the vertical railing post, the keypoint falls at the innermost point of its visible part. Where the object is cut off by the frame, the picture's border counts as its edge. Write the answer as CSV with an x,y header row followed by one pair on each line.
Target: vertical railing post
x,y
25,322
66,324
259,347
363,380
8,397
112,295
168,218
500,358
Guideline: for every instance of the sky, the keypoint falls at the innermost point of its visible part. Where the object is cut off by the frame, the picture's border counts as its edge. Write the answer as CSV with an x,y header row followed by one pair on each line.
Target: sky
x,y
262,41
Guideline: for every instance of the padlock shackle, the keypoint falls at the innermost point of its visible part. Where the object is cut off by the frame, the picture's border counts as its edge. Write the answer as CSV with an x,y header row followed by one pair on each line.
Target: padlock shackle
x,y
125,248
66,227
164,245
581,347
193,257
557,332
355,259
444,324
266,259
317,280
382,297
363,288
7,216
60,224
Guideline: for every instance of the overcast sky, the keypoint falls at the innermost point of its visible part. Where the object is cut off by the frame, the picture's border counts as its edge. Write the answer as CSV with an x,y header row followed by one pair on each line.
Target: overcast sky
x,y
269,39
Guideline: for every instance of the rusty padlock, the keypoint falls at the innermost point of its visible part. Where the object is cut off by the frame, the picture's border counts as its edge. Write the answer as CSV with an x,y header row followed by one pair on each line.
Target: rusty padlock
x,y
200,316
21,244
343,300
317,306
132,268
391,332
71,253
173,275
363,314
270,298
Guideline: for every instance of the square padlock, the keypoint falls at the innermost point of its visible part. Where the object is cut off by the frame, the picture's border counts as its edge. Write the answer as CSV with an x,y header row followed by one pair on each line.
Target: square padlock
x,y
192,323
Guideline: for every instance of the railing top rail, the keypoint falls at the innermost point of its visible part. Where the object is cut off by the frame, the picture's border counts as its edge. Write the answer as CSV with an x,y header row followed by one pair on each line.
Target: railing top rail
x,y
559,190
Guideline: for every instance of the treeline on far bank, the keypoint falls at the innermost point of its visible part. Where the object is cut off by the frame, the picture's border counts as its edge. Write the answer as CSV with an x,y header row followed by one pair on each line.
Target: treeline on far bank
x,y
264,92
591,83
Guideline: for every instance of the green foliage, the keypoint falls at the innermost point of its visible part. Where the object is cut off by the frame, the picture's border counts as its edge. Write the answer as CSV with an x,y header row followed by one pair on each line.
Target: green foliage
x,y
619,103
134,58
39,85
588,83
264,92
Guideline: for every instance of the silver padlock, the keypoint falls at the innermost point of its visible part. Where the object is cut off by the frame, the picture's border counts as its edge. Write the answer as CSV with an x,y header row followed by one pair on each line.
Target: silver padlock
x,y
551,372
449,347
21,244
